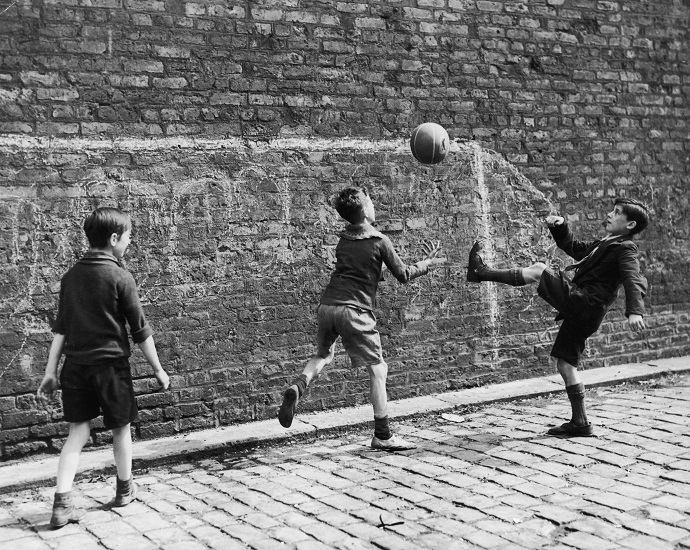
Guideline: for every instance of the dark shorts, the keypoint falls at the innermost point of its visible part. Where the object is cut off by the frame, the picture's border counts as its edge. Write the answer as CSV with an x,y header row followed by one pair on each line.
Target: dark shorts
x,y
91,390
357,328
581,317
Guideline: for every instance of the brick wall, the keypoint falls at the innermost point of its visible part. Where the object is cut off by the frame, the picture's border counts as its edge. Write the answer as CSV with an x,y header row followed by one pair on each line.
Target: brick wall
x,y
226,128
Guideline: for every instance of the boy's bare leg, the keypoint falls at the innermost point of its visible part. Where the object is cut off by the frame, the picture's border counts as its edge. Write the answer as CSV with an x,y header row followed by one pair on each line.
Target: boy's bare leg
x,y
378,374
568,372
383,439
79,433
64,510
311,370
122,450
126,489
579,425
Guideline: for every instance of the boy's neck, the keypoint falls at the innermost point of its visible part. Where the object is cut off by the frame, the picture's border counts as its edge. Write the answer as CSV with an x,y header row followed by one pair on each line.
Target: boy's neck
x,y
107,250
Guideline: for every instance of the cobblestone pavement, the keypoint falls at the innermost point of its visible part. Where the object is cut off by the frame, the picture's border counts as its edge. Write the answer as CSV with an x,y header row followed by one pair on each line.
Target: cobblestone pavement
x,y
487,478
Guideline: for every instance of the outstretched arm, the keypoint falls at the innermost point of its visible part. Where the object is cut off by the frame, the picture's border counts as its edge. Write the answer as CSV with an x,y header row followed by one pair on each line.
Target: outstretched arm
x,y
564,237
404,273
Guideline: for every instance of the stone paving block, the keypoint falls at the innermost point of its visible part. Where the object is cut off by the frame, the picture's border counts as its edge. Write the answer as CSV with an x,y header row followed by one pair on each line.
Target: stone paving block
x,y
641,542
80,541
586,541
326,534
634,491
215,538
555,514
138,542
534,489
677,475
617,502
393,542
600,528
548,481
265,544
483,539
439,541
672,501
665,515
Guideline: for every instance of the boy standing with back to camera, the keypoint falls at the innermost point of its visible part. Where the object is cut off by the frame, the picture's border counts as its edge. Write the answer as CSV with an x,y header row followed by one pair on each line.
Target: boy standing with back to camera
x,y
346,310
601,267
97,296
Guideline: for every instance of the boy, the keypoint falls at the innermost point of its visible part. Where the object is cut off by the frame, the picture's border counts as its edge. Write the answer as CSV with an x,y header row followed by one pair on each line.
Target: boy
x,y
346,310
97,296
602,266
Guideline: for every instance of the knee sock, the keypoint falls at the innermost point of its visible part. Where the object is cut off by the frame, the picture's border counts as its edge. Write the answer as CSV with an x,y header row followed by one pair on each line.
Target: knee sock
x,y
576,394
512,277
301,384
382,429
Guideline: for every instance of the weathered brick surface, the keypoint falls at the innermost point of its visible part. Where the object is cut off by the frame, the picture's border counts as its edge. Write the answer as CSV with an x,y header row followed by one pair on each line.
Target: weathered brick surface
x,y
180,113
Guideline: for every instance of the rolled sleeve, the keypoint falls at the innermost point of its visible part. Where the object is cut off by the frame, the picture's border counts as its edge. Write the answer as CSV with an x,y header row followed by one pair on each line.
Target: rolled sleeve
x,y
134,313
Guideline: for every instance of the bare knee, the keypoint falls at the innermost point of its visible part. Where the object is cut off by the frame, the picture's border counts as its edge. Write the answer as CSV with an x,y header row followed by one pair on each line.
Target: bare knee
x,y
378,371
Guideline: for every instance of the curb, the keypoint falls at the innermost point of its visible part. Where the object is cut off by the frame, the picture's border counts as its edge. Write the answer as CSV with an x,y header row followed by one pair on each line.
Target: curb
x,y
33,472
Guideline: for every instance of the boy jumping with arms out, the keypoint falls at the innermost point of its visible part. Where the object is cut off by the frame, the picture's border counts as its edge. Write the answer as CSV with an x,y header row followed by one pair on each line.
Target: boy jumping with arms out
x,y
97,296
602,266
346,310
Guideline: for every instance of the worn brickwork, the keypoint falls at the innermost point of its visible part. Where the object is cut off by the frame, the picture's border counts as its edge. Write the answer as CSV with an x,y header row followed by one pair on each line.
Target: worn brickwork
x,y
225,128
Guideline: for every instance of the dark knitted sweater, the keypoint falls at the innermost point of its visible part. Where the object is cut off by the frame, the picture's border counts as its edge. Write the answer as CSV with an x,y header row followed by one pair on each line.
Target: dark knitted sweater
x,y
359,257
97,296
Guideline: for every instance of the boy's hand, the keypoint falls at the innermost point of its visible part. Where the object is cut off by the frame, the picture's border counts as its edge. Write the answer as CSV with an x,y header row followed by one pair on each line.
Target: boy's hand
x,y
553,221
163,379
636,322
46,390
432,251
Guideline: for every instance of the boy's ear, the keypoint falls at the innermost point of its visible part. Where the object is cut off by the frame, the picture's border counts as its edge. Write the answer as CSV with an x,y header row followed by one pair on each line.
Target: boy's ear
x,y
631,225
113,239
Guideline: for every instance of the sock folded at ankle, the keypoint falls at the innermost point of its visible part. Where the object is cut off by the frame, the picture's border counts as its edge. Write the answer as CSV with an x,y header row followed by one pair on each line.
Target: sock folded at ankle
x,y
382,428
301,384
512,277
576,395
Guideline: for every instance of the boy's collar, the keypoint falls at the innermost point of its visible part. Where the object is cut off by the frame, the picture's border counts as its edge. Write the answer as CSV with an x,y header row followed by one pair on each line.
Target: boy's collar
x,y
100,251
360,231
98,254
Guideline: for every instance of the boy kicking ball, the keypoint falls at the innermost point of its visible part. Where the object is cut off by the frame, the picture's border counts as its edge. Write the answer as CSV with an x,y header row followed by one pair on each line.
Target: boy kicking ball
x,y
601,267
346,310
97,297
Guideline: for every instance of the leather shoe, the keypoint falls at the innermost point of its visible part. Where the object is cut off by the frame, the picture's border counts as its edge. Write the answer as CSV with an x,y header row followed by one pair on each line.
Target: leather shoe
x,y
287,409
475,263
571,430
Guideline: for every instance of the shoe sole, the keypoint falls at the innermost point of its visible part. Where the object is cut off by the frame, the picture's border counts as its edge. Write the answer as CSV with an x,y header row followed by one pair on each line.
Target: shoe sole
x,y
560,432
71,520
287,410
472,276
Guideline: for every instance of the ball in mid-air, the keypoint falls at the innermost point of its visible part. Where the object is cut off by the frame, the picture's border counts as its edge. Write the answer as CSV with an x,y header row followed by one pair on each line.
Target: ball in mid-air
x,y
429,143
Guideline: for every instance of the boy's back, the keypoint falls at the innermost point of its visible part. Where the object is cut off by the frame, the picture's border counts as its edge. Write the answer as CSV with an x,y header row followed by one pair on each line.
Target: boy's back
x,y
96,297
360,255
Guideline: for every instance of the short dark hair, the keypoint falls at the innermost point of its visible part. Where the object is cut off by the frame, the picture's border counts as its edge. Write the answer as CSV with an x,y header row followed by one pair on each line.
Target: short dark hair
x,y
350,204
103,222
635,211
